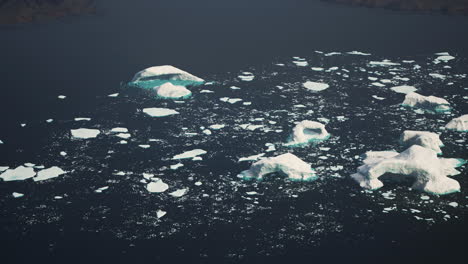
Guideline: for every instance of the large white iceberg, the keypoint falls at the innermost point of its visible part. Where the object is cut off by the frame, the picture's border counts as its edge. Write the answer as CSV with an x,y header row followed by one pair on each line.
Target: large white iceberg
x,y
159,112
422,138
19,174
307,131
422,164
287,164
431,103
84,133
458,124
158,75
171,91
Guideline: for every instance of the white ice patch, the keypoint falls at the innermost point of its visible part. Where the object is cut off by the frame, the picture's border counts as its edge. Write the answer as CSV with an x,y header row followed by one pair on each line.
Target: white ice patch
x,y
383,63
251,158
250,127
378,84
287,164
176,166
165,73
458,124
315,86
19,174
206,91
359,53
17,195
179,192
113,95
85,133
432,103
307,131
61,97
82,119
217,126
190,154
49,173
119,130
230,100
377,97
437,76
159,112
144,146
317,69
404,89
246,77
157,186
171,91
123,135
160,213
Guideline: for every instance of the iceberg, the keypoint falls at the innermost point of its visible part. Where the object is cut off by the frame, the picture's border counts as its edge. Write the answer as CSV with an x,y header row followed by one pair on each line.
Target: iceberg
x,y
158,75
422,164
190,154
315,86
159,112
458,124
430,103
404,89
19,174
157,186
307,131
286,164
49,173
171,91
85,133
422,138
160,213
17,195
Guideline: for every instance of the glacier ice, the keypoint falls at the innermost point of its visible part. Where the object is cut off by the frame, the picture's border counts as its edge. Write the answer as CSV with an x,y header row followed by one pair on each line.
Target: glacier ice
x,y
315,86
159,112
49,173
458,124
422,138
287,164
19,174
85,133
171,91
308,131
404,89
190,154
430,103
158,75
429,171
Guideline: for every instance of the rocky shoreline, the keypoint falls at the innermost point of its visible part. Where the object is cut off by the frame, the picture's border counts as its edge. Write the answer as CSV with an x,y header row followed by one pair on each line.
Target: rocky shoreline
x,y
457,7
20,11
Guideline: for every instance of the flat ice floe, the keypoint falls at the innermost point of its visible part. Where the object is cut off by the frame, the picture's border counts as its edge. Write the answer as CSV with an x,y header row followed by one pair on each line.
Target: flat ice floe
x,y
308,131
49,173
159,112
458,124
431,103
422,164
246,76
179,192
287,164
171,91
119,130
358,53
404,89
17,195
230,100
85,133
190,154
422,138
82,119
157,75
19,174
384,63
157,186
315,86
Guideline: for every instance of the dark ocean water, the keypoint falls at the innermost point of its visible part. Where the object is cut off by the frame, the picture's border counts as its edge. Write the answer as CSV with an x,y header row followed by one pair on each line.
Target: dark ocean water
x,y
87,58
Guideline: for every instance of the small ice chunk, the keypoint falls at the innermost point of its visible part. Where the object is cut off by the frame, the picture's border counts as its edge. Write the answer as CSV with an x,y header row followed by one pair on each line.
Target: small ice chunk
x,y
251,158
437,76
190,154
198,183
217,126
100,190
144,146
317,68
159,112
179,192
176,166
315,86
50,120
160,213
230,100
119,130
206,91
85,133
171,91
307,131
359,53
378,98
404,89
49,173
383,63
246,77
113,95
82,119
61,97
19,174
453,204
17,195
458,124
207,132
378,84
123,135
157,186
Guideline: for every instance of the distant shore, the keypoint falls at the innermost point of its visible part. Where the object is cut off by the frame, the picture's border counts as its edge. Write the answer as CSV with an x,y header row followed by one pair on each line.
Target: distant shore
x,y
20,11
456,7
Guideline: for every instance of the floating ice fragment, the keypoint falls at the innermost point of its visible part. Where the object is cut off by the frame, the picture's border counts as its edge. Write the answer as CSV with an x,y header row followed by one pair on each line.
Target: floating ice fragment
x,y
250,127
61,97
17,195
171,91
49,173
159,112
190,154
359,53
100,190
437,76
422,138
308,131
157,186
19,174
119,130
85,133
377,97
176,166
384,63
315,86
230,100
251,158
160,213
113,95
198,183
144,146
431,103
404,89
317,69
158,75
378,84
179,192
458,124
217,126
207,132
246,77
453,204
82,119
206,91
123,135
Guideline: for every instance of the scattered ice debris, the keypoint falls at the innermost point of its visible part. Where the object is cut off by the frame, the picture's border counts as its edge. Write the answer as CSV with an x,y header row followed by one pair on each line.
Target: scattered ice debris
x,y
246,77
383,63
230,100
119,130
315,86
190,154
49,173
359,53
332,53
157,75
431,103
160,213
171,91
100,190
123,142
17,195
404,89
308,131
179,192
453,204
61,97
159,112
82,119
85,133
287,164
422,138
19,174
429,171
217,126
251,158
176,166
458,124
378,98
157,186
250,127
144,146
113,95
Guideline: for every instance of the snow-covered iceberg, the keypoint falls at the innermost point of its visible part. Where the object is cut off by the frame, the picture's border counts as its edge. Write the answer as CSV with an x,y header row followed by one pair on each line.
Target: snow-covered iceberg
x,y
287,164
422,138
429,171
458,124
430,103
307,131
171,91
158,75
19,174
